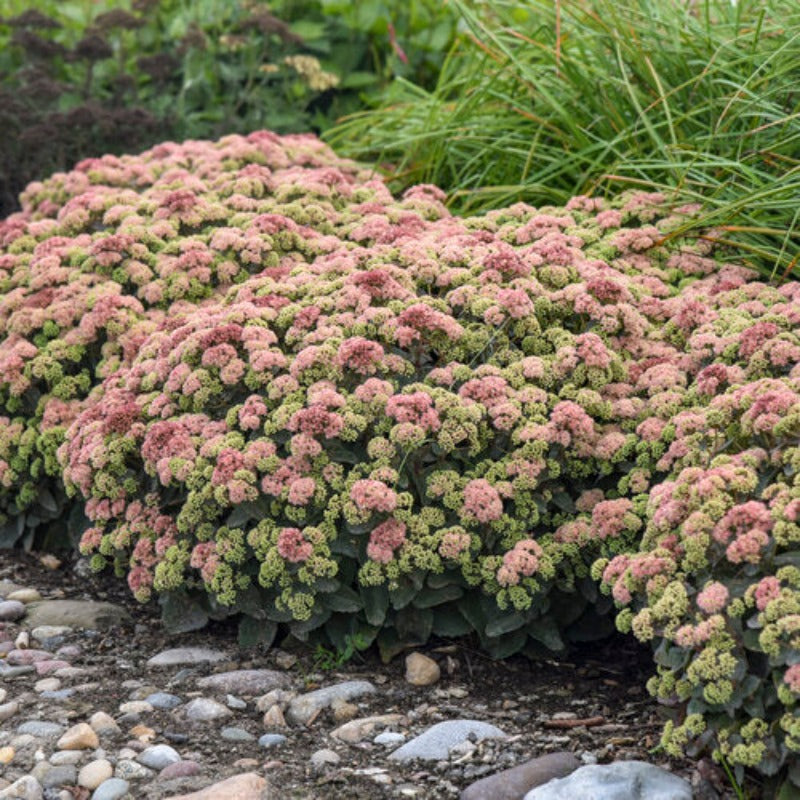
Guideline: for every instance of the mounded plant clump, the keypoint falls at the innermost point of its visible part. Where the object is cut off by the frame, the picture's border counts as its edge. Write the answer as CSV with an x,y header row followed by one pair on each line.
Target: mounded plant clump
x,y
363,418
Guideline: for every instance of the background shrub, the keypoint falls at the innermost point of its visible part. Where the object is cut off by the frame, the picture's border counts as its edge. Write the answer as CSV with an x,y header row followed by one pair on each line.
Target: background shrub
x,y
79,79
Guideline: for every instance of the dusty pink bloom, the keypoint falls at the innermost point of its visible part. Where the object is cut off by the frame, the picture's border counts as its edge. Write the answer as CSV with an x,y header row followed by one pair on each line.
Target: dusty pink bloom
x,y
713,598
385,539
521,561
482,501
301,491
293,546
371,495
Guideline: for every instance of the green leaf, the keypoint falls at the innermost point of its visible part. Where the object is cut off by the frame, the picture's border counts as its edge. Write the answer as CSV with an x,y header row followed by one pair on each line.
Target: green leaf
x,y
504,622
449,621
427,598
344,599
390,645
301,628
505,646
358,80
181,612
546,631
471,608
414,625
12,531
254,632
375,601
402,595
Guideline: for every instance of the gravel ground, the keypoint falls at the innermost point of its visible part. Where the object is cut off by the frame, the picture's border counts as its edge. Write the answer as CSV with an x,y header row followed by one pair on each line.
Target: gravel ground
x,y
593,705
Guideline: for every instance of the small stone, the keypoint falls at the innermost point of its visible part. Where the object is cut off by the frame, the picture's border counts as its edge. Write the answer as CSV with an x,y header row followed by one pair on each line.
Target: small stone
x,y
435,743
235,703
49,561
18,658
68,651
135,707
24,596
180,769
131,771
3,695
359,729
245,681
47,685
94,773
103,723
163,700
51,666
178,656
23,640
271,740
237,735
203,709
274,718
41,730
78,737
511,784
343,711
322,758
112,789
158,756
389,738
6,755
65,775
26,788
305,707
621,780
279,696
247,786
7,710
11,610
421,670
44,632
71,672
285,660
65,757
143,734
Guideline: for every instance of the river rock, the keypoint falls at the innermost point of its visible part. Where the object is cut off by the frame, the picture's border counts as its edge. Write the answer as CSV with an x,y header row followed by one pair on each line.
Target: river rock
x,y
94,773
622,780
11,610
26,788
245,681
305,706
421,670
112,789
359,729
435,743
203,709
247,786
78,737
511,784
158,756
89,614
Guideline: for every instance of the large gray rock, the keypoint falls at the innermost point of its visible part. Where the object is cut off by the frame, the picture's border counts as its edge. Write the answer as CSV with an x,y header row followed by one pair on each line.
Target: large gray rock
x,y
622,780
306,706
436,742
88,614
245,681
511,784
26,788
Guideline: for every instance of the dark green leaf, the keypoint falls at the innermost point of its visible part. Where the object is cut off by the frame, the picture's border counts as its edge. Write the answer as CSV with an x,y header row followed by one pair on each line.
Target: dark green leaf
x,y
375,600
505,646
181,612
414,625
449,621
546,631
504,622
427,598
344,599
254,632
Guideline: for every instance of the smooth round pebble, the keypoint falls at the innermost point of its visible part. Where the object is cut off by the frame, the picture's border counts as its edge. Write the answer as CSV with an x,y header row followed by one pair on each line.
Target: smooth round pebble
x,y
65,757
94,773
237,735
64,775
6,755
25,596
11,610
180,769
234,702
271,739
47,685
112,789
158,756
323,757
163,700
131,770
